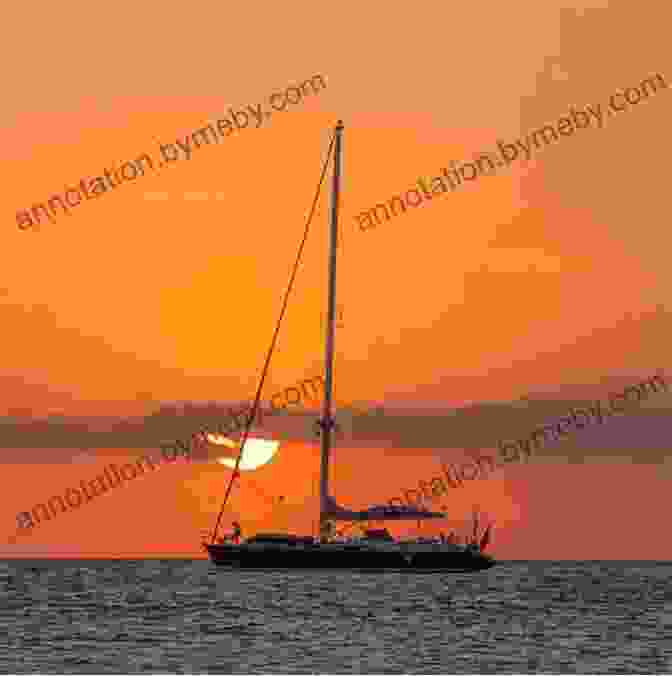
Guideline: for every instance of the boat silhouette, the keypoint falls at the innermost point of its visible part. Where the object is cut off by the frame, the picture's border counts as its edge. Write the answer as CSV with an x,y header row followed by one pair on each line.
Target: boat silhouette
x,y
375,548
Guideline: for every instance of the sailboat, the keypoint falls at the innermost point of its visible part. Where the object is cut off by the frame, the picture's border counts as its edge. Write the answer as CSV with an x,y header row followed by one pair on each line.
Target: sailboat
x,y
376,548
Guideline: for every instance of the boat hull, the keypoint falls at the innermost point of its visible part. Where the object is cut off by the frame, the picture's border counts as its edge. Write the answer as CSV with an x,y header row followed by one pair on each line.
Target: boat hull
x,y
353,558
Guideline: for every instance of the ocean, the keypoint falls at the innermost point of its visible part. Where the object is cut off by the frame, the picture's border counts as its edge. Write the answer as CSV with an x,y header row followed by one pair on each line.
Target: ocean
x,y
187,616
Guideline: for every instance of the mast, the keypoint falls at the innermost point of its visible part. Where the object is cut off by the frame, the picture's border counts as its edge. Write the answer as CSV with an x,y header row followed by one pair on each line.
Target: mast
x,y
327,422
329,508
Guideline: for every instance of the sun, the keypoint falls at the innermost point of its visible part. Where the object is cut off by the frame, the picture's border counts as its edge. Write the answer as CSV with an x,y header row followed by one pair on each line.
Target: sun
x,y
258,452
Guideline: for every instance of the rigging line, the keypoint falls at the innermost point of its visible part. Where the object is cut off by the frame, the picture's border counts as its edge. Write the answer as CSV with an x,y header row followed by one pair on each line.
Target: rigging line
x,y
252,414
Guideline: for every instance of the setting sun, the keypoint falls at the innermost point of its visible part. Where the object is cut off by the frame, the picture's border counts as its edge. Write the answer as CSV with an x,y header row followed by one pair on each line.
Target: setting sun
x,y
257,452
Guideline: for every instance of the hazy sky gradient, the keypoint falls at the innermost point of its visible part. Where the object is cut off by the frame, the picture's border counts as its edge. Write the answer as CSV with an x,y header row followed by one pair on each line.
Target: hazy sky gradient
x,y
132,299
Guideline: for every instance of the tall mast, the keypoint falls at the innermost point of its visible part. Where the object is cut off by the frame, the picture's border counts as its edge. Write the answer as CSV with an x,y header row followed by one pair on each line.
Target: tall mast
x,y
327,422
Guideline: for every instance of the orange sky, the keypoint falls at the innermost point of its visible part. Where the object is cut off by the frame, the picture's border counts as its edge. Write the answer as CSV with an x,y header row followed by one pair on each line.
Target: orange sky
x,y
540,510
134,298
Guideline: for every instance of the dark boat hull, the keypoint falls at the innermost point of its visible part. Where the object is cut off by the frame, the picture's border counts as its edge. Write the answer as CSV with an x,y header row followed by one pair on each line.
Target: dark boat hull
x,y
325,557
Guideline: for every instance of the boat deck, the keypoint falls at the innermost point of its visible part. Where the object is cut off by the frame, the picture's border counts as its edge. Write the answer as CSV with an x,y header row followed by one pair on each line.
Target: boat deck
x,y
354,554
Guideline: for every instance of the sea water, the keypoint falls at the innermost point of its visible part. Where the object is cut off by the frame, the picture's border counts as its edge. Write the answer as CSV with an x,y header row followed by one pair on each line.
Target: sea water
x,y
162,616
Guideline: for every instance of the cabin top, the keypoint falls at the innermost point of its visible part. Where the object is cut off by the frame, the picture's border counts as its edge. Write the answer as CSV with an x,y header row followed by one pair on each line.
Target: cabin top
x,y
281,538
379,534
